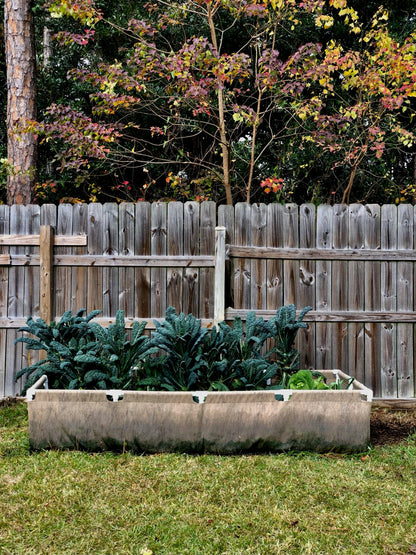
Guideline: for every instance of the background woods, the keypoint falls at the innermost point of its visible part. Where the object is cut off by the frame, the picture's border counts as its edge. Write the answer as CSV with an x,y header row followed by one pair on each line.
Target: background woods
x,y
355,265
226,101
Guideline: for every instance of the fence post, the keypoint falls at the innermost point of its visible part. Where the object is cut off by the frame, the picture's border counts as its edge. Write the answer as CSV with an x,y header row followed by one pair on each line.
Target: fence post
x,y
46,242
219,280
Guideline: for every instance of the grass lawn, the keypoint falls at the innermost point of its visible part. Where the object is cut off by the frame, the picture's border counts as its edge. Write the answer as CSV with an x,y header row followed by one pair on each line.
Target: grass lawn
x,y
59,502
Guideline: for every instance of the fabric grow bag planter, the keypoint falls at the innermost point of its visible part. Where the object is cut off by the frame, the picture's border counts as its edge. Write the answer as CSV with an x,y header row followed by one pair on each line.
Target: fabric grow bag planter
x,y
198,422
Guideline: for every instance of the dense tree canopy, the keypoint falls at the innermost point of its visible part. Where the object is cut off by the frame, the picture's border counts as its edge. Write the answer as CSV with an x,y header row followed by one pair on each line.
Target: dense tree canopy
x,y
226,99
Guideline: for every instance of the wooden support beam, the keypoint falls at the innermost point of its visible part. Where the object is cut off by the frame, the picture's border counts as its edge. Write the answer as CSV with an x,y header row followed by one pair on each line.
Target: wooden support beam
x,y
5,260
117,261
395,404
236,251
46,272
219,277
333,316
34,240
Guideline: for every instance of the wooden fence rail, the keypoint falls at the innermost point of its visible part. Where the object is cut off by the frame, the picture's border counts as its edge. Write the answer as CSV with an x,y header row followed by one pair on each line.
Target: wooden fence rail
x,y
355,265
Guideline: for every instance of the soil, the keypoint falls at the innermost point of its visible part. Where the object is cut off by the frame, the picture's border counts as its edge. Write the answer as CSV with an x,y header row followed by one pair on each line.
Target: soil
x,y
390,426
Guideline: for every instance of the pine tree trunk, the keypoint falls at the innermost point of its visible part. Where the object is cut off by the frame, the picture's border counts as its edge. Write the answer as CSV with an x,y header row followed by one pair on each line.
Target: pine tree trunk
x,y
21,98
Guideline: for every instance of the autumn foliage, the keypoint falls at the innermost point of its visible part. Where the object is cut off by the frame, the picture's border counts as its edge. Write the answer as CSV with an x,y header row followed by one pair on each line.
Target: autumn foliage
x,y
214,111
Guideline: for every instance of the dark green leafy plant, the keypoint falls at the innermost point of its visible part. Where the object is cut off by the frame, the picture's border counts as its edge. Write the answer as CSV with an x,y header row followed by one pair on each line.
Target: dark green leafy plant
x,y
62,341
217,366
181,338
245,342
283,328
254,373
180,355
119,360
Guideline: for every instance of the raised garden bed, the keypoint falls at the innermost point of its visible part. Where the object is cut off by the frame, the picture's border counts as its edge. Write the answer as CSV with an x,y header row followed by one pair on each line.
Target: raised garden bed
x,y
223,422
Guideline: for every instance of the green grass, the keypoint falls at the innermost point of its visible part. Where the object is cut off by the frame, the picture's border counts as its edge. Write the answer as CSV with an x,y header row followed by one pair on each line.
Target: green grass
x,y
59,502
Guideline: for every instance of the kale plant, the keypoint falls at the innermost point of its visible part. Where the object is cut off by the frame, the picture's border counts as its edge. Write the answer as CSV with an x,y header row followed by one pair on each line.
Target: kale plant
x,y
283,328
120,361
180,354
62,341
181,338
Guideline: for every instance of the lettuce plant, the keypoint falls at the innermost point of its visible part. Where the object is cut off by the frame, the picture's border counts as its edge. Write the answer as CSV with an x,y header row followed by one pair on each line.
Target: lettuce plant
x,y
308,379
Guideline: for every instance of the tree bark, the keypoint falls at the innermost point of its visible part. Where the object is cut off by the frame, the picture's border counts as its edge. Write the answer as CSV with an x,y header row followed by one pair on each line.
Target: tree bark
x,y
21,99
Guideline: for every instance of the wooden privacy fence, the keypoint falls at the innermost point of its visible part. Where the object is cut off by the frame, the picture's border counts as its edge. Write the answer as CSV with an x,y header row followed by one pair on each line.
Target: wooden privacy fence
x,y
355,265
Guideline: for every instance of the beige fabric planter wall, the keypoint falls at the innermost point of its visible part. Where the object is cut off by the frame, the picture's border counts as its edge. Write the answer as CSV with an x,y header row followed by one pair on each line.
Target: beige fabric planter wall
x,y
213,422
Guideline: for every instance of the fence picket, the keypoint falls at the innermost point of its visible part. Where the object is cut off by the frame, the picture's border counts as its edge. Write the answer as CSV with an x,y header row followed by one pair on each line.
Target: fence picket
x,y
388,302
226,219
290,239
95,246
274,267
356,278
207,246
158,246
126,248
372,284
242,267
142,246
258,266
110,248
307,283
405,290
174,282
63,275
190,300
339,294
15,356
324,239
4,296
79,275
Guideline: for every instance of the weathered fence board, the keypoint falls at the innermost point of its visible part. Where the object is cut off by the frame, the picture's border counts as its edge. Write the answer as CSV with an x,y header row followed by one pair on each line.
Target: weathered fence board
x,y
4,298
356,278
405,302
339,331
324,240
388,302
307,276
95,246
79,275
126,248
274,266
110,248
190,303
259,265
175,248
142,241
158,245
63,276
242,267
207,246
355,265
372,360
290,267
